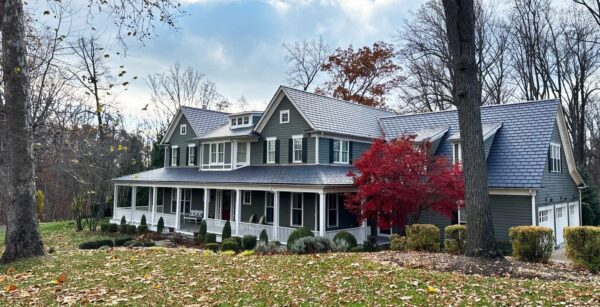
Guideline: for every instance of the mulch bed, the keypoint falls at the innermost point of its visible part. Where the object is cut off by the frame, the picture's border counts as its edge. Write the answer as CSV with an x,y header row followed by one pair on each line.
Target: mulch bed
x,y
507,267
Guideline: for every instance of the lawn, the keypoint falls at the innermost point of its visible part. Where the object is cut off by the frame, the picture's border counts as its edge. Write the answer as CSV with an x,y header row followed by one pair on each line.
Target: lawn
x,y
188,276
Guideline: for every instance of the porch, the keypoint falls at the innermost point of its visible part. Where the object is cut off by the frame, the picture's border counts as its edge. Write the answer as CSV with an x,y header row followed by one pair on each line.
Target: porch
x,y
250,210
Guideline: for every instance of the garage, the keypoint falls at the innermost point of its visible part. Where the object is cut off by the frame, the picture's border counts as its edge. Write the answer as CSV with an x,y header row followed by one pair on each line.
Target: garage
x,y
559,216
562,221
574,214
546,217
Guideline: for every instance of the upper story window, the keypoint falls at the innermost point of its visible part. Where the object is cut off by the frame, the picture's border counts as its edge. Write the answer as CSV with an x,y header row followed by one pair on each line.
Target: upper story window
x,y
271,150
192,154
297,148
241,121
233,121
174,155
217,153
341,152
183,129
242,153
456,153
246,120
284,116
554,164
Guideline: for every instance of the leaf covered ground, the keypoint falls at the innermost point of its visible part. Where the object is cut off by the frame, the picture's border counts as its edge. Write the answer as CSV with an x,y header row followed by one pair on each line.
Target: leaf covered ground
x,y
182,276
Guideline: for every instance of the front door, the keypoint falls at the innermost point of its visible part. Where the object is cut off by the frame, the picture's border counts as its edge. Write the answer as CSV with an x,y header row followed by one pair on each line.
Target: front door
x,y
226,205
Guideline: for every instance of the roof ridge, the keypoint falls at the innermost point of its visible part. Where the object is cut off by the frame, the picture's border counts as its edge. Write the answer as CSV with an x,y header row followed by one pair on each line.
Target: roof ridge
x,y
206,110
489,106
333,98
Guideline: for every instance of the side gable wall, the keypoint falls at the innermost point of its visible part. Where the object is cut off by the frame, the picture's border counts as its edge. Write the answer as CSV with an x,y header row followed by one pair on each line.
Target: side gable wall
x,y
182,141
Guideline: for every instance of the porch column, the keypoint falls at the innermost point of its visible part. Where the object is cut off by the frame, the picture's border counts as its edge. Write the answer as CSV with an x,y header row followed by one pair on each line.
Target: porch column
x,y
178,209
276,216
206,200
322,213
115,201
133,201
238,213
154,203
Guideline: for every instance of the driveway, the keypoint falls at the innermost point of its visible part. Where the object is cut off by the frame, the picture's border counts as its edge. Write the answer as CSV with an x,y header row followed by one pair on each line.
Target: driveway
x,y
559,255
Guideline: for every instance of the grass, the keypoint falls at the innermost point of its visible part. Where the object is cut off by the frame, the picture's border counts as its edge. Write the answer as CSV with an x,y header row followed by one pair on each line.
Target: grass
x,y
185,276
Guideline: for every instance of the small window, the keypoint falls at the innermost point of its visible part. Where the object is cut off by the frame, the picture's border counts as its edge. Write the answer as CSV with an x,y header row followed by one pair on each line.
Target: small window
x,y
239,121
183,129
247,197
174,155
555,163
271,150
269,207
284,116
572,209
559,213
332,210
341,152
297,149
297,208
191,155
233,121
246,120
542,216
456,153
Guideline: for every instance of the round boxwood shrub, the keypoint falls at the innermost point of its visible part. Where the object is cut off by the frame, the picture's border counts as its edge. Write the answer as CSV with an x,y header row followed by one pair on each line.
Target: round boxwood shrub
x,y
160,226
230,245
120,241
226,231
298,234
131,229
104,227
212,247
96,244
345,236
531,243
112,227
249,242
311,245
397,243
264,237
423,237
583,246
210,238
455,239
142,229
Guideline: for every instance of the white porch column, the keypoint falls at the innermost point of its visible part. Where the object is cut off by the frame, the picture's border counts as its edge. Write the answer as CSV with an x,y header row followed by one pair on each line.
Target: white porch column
x,y
206,200
322,213
276,216
115,201
133,201
154,203
178,209
238,209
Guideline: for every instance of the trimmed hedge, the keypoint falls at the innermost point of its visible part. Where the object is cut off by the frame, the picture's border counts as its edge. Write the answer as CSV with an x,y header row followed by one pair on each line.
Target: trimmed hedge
x,y
298,234
531,243
370,244
104,227
230,245
112,227
131,229
397,243
142,229
311,245
345,236
236,239
455,239
160,226
136,243
264,237
212,247
123,220
249,242
226,231
96,244
210,238
122,240
423,237
583,246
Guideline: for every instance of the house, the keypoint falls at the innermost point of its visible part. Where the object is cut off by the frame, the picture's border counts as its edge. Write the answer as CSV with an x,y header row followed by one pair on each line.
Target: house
x,y
287,167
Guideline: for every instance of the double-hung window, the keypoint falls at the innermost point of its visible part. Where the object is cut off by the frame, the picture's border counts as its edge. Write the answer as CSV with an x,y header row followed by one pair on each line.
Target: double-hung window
x,y
456,153
192,154
341,152
247,197
242,151
271,150
333,209
217,153
554,165
174,155
269,207
297,208
186,200
297,148
173,200
183,129
246,120
284,116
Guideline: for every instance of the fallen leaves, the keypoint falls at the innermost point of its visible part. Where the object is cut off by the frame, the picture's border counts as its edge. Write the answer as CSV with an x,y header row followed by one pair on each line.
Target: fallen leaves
x,y
11,288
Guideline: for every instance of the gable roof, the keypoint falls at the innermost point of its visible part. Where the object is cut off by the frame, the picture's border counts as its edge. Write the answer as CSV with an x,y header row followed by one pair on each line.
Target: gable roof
x,y
202,121
520,147
326,114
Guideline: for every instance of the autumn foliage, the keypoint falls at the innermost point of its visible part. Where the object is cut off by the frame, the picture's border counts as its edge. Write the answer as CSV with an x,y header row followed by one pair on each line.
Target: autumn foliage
x,y
402,178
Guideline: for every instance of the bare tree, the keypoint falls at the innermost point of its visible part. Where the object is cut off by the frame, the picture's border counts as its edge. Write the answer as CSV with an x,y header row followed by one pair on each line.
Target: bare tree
x,y
593,6
460,25
304,60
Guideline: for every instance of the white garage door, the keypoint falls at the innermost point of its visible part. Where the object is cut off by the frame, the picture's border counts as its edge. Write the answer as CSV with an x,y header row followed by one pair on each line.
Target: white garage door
x,y
574,214
561,222
546,217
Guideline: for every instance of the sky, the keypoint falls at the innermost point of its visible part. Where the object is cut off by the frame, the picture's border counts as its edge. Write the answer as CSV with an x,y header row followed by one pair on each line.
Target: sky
x,y
237,43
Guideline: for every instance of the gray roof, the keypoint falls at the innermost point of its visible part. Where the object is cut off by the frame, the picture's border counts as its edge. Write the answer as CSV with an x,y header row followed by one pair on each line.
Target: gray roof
x,y
204,121
225,132
260,175
488,130
424,134
337,116
518,155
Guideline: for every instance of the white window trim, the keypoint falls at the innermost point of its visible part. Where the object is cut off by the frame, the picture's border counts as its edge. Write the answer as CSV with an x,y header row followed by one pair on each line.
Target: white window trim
x,y
294,138
190,155
456,159
237,148
267,206
292,210
555,149
337,212
210,151
173,151
274,140
281,116
341,152
183,202
173,198
541,215
244,197
183,129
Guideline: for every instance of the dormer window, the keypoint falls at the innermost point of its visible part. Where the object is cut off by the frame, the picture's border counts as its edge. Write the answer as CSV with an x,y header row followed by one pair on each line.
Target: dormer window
x,y
284,116
239,121
183,129
246,120
456,153
233,121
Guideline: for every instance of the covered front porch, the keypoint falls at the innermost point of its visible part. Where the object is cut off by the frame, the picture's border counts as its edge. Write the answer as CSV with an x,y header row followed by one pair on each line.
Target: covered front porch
x,y
250,209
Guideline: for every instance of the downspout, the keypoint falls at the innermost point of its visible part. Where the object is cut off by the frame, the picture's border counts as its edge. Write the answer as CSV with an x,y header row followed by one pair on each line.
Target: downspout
x,y
533,209
581,204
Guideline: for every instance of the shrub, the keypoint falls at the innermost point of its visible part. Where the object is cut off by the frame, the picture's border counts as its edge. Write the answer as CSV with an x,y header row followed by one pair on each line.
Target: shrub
x,y
210,238
455,239
298,234
112,227
397,243
142,229
583,246
237,239
504,247
96,244
311,245
226,231
123,221
230,245
227,253
249,242
123,228
104,227
214,247
40,201
202,230
120,241
263,236
370,244
270,248
275,243
340,246
345,236
143,220
160,226
247,253
136,243
423,237
357,249
531,243
131,229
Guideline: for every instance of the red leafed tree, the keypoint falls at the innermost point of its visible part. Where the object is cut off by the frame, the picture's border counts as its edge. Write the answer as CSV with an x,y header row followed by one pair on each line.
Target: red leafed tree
x,y
402,178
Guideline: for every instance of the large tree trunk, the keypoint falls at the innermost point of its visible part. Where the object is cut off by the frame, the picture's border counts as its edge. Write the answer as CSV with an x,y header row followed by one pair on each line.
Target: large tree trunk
x,y
23,239
460,22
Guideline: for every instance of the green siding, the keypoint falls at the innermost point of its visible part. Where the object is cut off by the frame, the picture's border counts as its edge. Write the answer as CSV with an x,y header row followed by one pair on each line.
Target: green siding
x,y
182,140
358,148
345,218
257,207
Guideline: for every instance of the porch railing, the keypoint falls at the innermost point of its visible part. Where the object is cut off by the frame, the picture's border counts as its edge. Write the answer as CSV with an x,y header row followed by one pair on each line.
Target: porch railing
x,y
360,233
216,226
